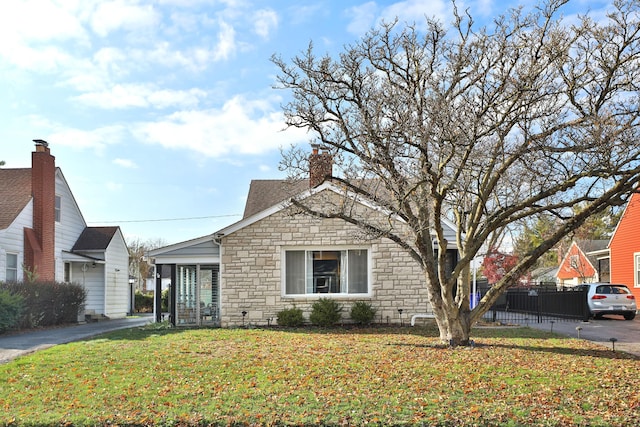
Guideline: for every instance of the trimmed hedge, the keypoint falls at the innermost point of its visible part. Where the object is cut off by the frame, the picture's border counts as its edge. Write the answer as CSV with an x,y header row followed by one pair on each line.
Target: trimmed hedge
x,y
325,312
47,303
291,317
143,302
363,313
10,309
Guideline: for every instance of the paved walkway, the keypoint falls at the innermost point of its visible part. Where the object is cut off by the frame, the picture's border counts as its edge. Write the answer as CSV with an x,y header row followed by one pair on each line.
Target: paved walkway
x,y
15,345
626,332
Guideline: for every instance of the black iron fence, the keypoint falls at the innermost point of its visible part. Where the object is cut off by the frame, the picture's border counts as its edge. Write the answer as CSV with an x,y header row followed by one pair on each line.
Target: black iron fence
x,y
538,303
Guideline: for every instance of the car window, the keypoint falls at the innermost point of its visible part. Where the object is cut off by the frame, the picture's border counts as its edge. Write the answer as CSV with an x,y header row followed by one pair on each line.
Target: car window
x,y
603,289
619,290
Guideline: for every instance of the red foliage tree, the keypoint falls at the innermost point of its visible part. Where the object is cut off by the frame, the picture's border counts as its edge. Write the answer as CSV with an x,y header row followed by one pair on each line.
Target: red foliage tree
x,y
496,264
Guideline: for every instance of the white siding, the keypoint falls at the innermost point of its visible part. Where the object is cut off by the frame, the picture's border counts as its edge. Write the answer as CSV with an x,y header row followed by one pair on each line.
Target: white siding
x,y
71,223
12,239
92,279
117,302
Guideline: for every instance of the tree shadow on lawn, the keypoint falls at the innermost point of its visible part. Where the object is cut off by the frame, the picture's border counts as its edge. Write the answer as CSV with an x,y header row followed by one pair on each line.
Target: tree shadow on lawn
x,y
602,353
428,331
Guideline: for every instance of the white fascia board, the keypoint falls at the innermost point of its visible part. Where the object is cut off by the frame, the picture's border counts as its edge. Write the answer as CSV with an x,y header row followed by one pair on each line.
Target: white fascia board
x,y
182,245
184,260
73,198
78,257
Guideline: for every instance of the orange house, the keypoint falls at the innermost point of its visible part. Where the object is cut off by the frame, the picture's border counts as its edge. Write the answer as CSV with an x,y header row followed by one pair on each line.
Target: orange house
x,y
624,247
580,265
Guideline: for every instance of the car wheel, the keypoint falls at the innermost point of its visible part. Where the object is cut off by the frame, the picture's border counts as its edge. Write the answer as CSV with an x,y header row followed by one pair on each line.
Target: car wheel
x,y
629,316
597,316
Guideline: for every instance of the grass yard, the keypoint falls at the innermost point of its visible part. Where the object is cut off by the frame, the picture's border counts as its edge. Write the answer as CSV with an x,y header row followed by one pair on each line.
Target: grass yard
x,y
394,376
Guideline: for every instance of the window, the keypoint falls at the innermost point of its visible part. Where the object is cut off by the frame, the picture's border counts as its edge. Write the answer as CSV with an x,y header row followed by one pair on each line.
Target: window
x,y
58,208
326,272
637,265
67,272
573,261
12,268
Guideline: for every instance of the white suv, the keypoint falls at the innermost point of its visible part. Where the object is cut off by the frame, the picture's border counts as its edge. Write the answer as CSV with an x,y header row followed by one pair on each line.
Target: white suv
x,y
610,298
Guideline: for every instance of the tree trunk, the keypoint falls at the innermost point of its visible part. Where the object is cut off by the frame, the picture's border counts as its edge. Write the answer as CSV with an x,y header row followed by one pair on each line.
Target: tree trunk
x,y
454,323
454,327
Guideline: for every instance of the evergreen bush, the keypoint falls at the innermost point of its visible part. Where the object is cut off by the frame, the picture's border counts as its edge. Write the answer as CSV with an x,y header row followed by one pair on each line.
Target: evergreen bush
x,y
325,312
10,309
143,302
291,317
362,313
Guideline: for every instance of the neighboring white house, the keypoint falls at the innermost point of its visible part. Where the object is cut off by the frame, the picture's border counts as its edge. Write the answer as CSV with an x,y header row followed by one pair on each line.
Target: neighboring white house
x,y
43,232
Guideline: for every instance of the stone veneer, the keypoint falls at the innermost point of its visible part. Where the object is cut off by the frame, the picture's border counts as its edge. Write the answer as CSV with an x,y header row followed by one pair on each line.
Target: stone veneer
x,y
251,277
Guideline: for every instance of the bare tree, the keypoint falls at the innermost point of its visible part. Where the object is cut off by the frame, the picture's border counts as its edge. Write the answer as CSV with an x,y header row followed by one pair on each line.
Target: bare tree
x,y
485,127
139,267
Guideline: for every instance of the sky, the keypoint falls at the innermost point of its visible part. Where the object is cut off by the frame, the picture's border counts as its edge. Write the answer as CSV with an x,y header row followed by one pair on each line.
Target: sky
x,y
160,113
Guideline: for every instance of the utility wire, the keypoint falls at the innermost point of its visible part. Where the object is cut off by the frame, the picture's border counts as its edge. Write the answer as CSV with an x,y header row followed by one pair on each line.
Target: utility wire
x,y
163,219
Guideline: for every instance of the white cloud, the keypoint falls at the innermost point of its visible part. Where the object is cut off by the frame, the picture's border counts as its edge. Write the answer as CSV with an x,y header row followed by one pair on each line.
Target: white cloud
x,y
266,20
241,126
415,11
120,14
368,15
226,42
362,17
141,96
38,20
78,139
125,163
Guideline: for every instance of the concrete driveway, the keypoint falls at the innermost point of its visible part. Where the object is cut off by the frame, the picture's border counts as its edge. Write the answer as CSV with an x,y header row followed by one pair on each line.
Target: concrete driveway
x,y
627,332
15,345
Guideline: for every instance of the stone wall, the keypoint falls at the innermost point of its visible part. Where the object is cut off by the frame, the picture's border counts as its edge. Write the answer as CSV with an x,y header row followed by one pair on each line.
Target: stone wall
x,y
251,276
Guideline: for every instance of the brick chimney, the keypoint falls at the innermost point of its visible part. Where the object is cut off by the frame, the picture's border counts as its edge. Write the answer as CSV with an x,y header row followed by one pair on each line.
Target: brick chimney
x,y
320,166
39,242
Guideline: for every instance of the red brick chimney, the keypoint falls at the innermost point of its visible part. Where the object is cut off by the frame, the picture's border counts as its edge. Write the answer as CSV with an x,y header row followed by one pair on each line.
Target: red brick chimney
x,y
39,242
320,166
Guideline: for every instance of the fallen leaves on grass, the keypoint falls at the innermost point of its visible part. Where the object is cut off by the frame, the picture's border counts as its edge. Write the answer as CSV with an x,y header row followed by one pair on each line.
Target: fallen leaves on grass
x,y
356,377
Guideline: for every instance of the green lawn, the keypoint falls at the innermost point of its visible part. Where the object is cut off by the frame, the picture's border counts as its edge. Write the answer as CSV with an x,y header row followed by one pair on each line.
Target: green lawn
x,y
388,376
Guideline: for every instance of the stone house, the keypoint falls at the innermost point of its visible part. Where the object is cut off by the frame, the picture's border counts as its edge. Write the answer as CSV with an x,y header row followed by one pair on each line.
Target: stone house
x,y
274,259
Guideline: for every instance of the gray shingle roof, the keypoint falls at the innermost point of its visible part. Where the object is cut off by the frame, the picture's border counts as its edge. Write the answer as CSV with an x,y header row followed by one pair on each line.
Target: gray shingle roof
x,y
15,193
94,238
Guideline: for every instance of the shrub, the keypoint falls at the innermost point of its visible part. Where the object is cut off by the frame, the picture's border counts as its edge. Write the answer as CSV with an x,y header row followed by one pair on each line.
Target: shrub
x,y
291,317
362,313
10,309
48,303
164,300
143,302
325,312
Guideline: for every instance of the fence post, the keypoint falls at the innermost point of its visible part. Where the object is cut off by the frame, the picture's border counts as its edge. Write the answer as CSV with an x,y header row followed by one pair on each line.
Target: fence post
x,y
585,305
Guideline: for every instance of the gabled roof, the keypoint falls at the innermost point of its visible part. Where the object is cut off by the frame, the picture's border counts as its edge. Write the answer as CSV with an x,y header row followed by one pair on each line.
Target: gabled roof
x,y
15,193
275,195
265,193
94,239
592,245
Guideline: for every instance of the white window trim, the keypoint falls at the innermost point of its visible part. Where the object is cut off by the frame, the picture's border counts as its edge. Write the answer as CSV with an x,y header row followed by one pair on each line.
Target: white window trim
x,y
342,296
7,268
636,270
58,208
